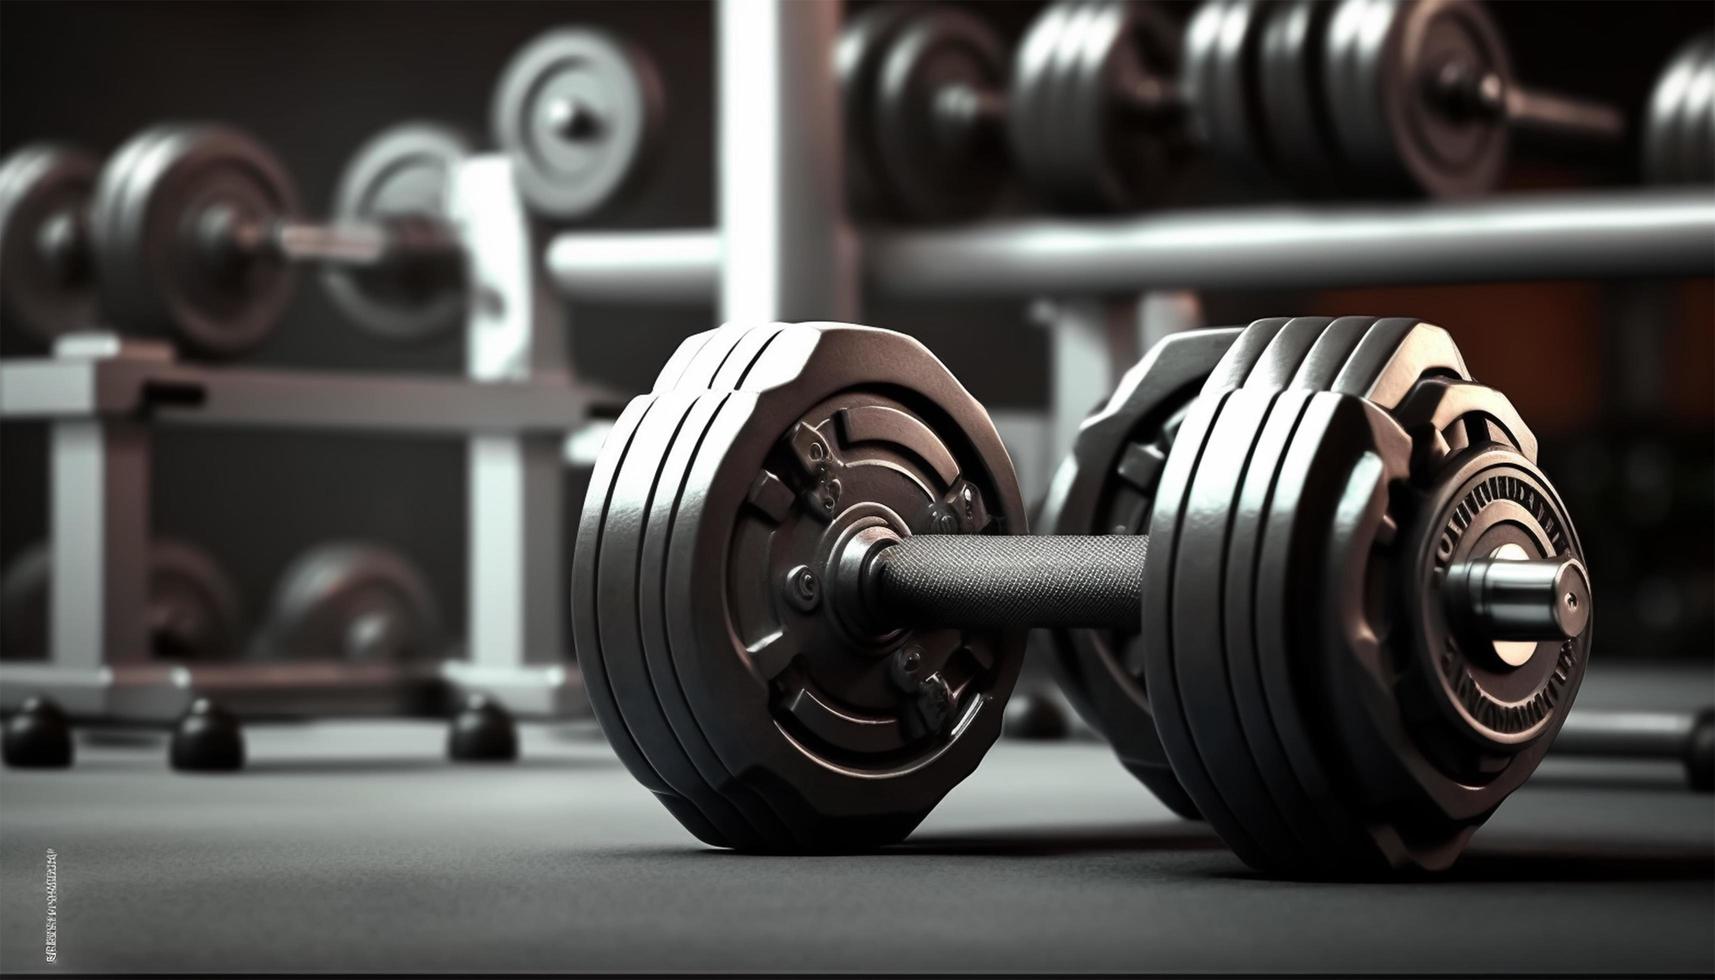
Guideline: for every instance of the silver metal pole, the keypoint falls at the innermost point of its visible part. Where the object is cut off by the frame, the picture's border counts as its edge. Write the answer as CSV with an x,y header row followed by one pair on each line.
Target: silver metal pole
x,y
514,332
1612,235
788,252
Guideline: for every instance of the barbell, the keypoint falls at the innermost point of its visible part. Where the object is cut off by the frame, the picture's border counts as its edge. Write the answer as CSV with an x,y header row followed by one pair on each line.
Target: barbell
x,y
1359,608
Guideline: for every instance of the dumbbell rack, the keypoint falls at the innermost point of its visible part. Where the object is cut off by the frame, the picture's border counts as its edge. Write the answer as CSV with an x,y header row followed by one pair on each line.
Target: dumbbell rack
x,y
103,397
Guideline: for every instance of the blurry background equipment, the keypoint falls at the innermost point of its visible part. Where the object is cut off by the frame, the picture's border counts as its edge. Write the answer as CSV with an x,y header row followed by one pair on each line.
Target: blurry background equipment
x,y
357,602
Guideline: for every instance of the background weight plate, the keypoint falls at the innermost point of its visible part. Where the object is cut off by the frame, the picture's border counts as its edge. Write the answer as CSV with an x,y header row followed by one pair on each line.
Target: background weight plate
x,y
587,620
404,174
865,40
1290,83
929,170
1106,486
192,610
1031,99
146,216
355,602
1121,163
1378,59
44,191
1219,79
579,111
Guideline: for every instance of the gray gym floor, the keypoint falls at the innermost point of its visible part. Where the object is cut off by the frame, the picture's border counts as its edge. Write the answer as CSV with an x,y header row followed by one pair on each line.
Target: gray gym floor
x,y
352,846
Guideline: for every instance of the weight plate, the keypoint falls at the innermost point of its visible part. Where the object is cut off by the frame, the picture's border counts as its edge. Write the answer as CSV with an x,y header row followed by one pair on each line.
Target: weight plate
x,y
865,40
587,630
1206,702
799,701
1237,360
152,220
1380,60
402,176
1219,80
45,284
1293,113
1661,120
637,688
1106,486
1697,129
930,166
579,112
354,602
192,611
1031,104
1161,606
1120,162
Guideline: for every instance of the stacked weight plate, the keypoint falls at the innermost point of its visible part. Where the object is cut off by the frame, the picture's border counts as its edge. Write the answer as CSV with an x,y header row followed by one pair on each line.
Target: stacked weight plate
x,y
837,766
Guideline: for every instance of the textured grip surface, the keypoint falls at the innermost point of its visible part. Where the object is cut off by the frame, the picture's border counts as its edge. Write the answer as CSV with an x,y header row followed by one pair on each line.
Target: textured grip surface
x,y
1010,581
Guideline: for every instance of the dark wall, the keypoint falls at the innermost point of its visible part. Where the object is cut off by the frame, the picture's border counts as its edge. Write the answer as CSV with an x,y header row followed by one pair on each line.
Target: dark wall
x,y
315,80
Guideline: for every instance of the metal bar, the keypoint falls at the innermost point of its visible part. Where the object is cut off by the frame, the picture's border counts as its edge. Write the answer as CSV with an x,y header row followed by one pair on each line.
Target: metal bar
x,y
788,252
515,334
179,394
99,536
656,267
1635,234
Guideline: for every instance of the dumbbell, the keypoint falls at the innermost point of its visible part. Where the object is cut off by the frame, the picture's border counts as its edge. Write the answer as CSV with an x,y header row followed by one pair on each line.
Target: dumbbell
x,y
192,611
1106,99
193,229
351,601
1679,129
1680,736
801,603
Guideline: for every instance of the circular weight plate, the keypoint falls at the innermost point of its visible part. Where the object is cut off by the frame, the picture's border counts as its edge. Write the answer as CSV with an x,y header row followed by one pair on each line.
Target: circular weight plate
x,y
587,629
151,235
636,689
771,813
1219,81
1696,150
45,284
193,612
839,428
402,176
1030,104
353,602
1381,59
864,42
1117,161
1203,694
578,111
1290,83
1106,485
1167,532
936,162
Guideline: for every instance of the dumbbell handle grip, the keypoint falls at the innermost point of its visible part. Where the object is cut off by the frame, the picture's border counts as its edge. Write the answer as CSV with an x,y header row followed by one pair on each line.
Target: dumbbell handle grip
x,y
369,244
1008,581
1557,115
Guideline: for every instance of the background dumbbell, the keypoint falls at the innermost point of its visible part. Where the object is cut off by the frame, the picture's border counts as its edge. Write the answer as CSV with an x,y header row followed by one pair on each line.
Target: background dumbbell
x,y
1679,128
357,602
800,620
193,230
1106,97
1685,737
192,612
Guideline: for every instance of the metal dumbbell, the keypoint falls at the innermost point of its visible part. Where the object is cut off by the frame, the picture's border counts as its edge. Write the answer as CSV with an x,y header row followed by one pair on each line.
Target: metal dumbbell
x,y
194,230
1362,608
357,602
1679,129
1105,99
192,614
